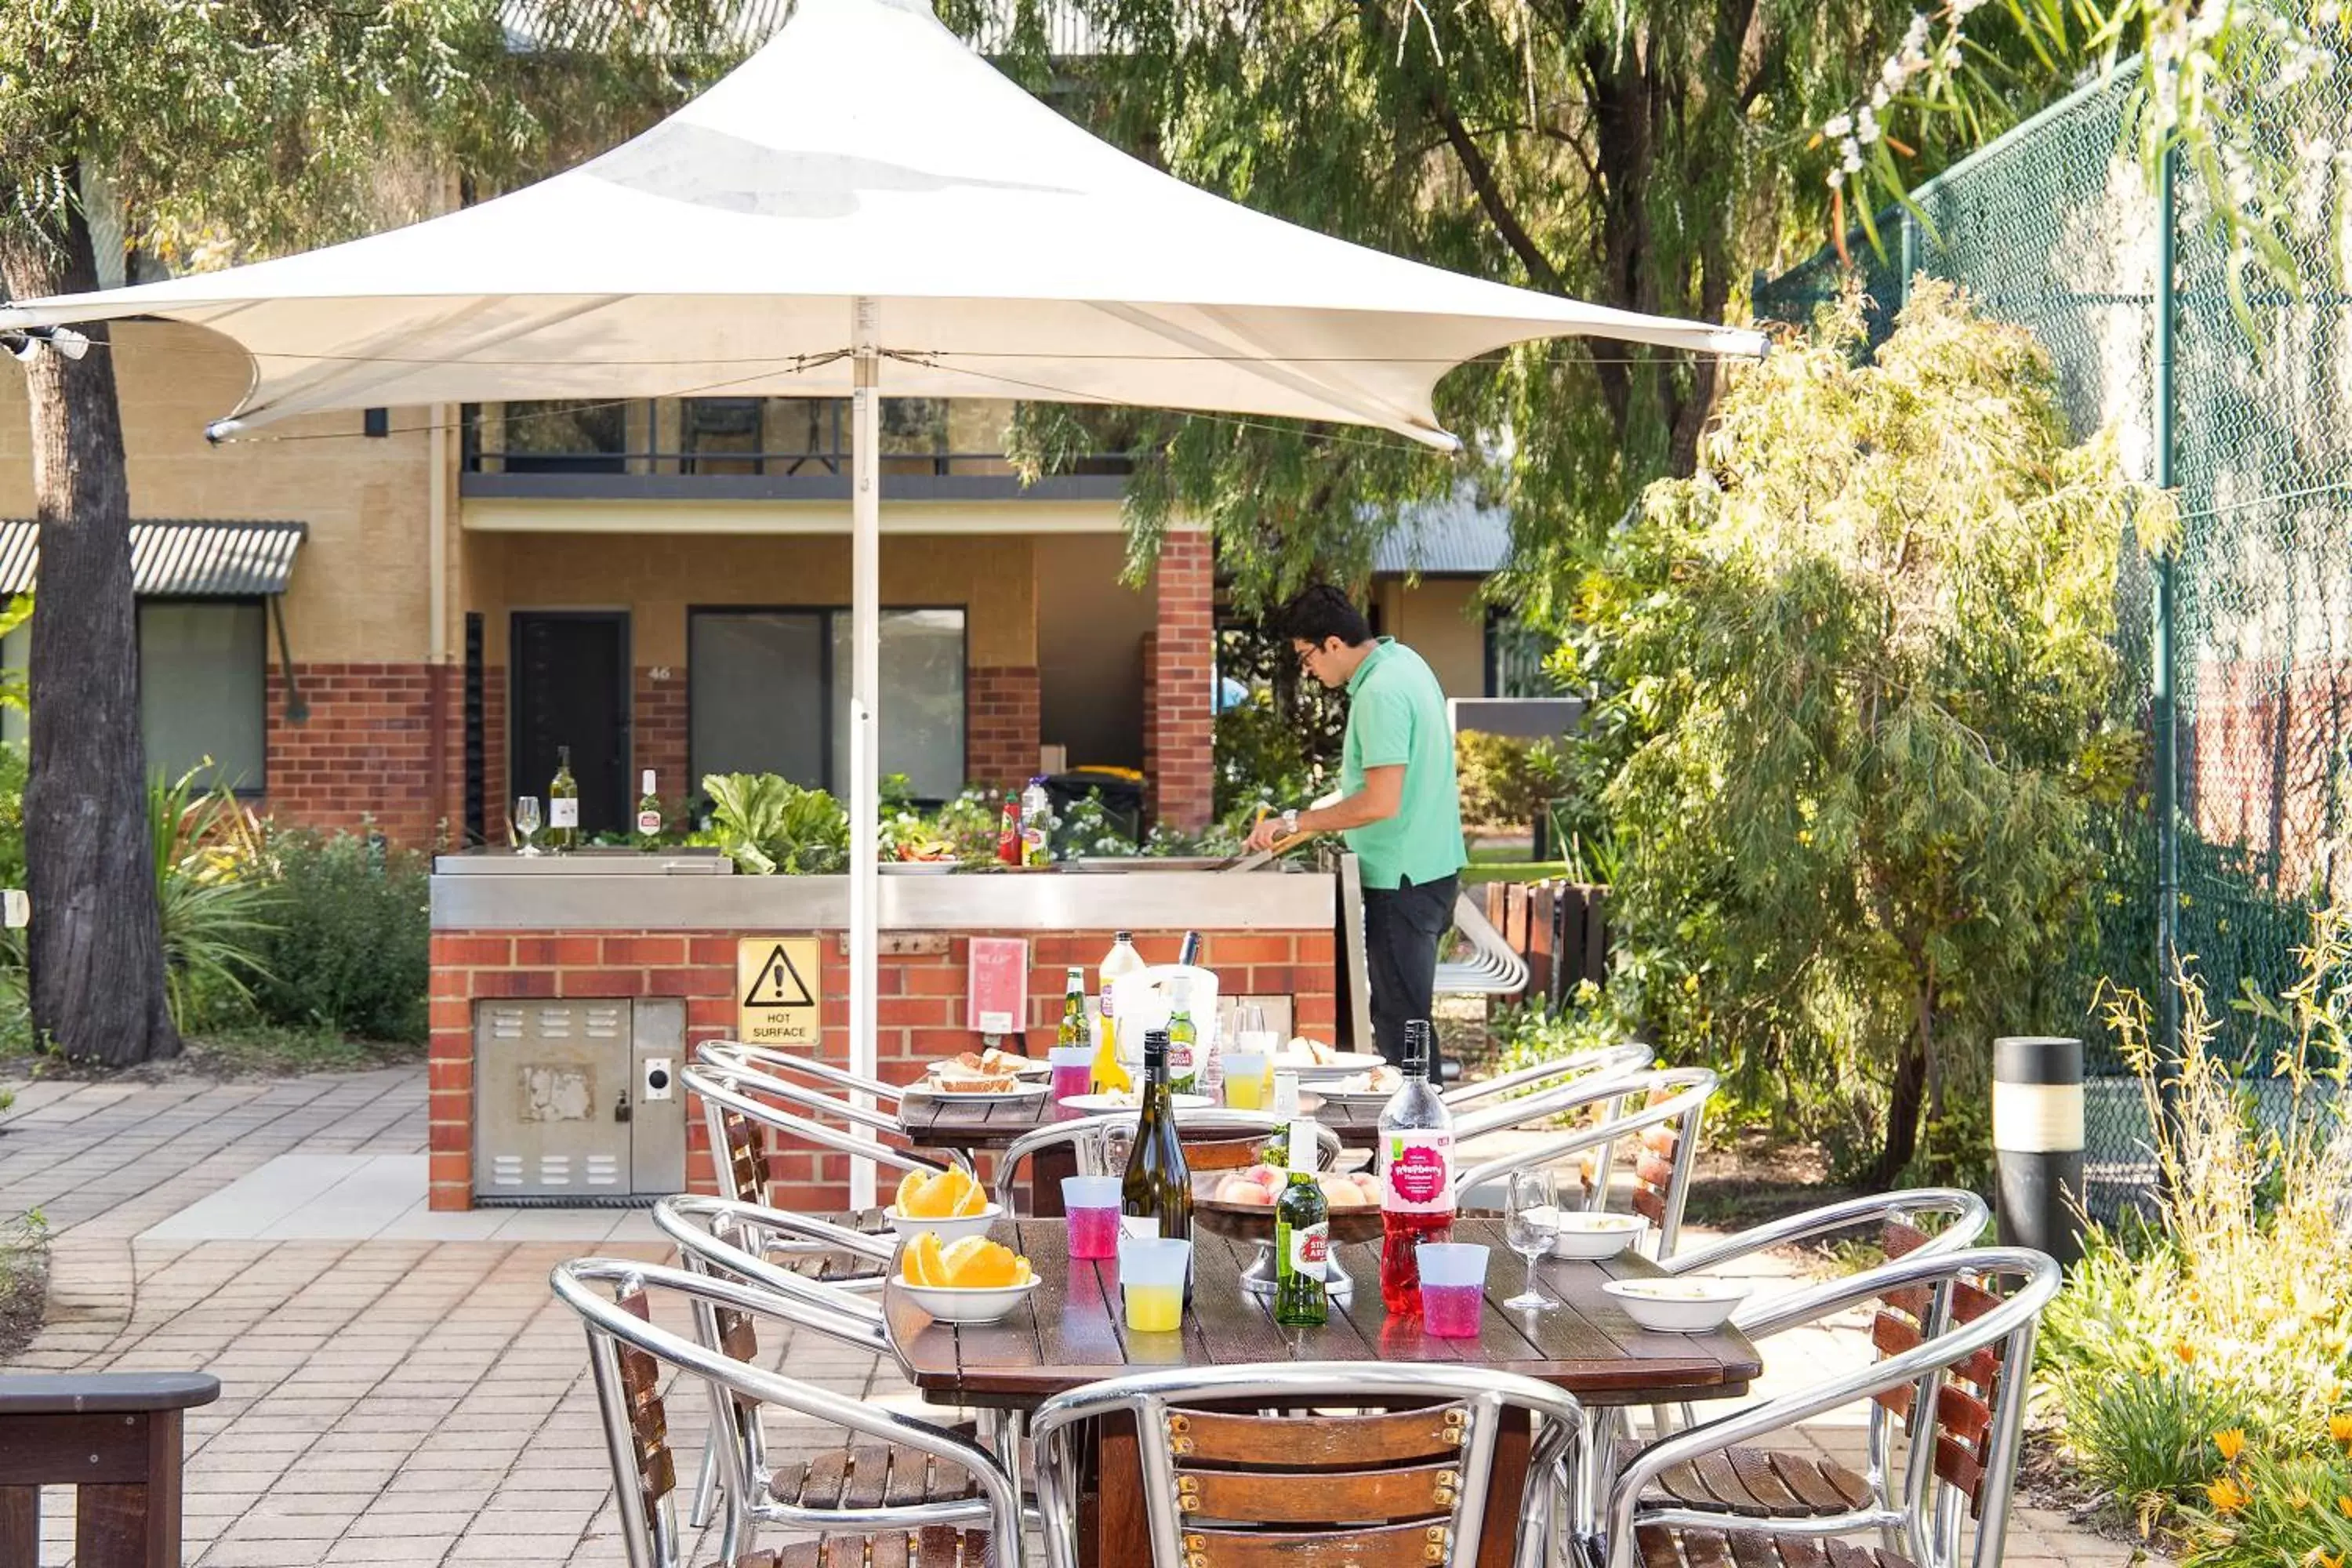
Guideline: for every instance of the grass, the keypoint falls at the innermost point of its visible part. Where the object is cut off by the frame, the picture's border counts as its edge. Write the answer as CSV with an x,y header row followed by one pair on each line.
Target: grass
x,y
277,1048
1507,863
24,1280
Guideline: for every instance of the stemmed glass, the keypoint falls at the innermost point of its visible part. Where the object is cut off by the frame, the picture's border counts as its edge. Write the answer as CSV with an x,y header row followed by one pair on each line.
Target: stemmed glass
x,y
1530,1225
526,822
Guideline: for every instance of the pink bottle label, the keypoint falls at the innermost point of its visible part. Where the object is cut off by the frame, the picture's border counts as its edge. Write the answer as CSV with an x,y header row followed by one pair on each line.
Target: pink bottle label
x,y
1418,1175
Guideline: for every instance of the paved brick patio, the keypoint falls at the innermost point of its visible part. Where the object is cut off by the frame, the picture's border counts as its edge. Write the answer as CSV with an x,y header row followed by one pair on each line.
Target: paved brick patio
x,y
398,1399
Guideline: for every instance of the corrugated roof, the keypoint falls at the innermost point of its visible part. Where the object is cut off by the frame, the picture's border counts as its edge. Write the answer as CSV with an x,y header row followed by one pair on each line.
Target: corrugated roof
x,y
176,556
1460,536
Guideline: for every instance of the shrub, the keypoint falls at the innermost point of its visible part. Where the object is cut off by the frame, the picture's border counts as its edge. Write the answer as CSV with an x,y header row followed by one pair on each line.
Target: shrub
x,y
352,938
1506,782
213,896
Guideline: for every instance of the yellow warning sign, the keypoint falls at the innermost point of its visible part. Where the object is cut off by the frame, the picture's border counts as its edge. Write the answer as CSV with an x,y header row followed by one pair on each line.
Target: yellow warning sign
x,y
777,988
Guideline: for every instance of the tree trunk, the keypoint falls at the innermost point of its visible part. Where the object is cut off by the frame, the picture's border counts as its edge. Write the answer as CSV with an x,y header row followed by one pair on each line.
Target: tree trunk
x,y
95,941
1908,1096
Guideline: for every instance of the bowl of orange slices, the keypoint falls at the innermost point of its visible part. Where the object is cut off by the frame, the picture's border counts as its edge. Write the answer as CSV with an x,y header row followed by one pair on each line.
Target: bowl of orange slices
x,y
949,1206
974,1280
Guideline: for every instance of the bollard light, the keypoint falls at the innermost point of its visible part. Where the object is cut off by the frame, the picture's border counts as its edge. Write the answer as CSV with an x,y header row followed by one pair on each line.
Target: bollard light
x,y
2037,1140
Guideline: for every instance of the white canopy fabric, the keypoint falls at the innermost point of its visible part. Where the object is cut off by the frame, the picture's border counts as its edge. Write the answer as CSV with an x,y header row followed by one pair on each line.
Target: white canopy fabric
x,y
865,152
864,193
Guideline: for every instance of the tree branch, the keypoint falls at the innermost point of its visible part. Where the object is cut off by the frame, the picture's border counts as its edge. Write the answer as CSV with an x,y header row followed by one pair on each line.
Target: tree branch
x,y
1542,273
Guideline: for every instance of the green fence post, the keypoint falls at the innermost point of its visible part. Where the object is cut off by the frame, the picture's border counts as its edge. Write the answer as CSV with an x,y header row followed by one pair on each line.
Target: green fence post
x,y
1907,254
2166,704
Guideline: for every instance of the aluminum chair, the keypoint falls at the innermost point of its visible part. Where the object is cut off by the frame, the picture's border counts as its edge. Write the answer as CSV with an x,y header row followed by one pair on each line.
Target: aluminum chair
x,y
741,1108
1091,1135
1661,1112
725,1055
1960,1361
876,1500
1287,1478
1600,1061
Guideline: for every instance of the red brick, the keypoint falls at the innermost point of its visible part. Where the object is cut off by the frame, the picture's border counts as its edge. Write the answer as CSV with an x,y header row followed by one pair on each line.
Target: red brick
x,y
555,951
601,983
449,1078
646,951
1221,949
463,951
930,1012
448,1138
513,983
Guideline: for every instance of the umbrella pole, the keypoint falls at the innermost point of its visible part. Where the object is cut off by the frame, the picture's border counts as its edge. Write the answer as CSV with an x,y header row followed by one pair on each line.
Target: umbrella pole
x,y
864,743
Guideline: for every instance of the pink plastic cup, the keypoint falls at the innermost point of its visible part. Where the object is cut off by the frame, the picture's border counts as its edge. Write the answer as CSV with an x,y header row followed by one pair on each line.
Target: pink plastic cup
x,y
1092,1205
1453,1287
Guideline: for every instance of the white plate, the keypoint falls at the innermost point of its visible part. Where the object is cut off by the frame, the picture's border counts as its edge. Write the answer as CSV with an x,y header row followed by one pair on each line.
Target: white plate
x,y
1095,1104
1344,1065
949,1227
929,1090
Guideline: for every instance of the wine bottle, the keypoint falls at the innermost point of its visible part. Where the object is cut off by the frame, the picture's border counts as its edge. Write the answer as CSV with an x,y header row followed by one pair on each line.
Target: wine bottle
x,y
1417,1154
1302,1238
1183,1039
1155,1196
1189,953
562,804
1110,1073
649,813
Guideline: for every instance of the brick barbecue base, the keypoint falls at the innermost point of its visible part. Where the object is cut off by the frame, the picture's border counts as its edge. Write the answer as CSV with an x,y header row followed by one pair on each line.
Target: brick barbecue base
x,y
919,1014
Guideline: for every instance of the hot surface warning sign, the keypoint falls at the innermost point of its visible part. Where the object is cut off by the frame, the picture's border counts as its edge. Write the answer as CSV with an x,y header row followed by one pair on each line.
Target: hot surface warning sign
x,y
776,990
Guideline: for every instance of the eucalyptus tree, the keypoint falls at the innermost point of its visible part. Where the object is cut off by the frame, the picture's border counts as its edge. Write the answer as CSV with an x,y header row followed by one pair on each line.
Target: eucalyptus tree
x,y
224,131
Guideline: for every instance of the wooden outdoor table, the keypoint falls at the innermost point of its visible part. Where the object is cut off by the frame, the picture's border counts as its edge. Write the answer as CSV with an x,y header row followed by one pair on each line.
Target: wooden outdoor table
x,y
974,1126
1070,1331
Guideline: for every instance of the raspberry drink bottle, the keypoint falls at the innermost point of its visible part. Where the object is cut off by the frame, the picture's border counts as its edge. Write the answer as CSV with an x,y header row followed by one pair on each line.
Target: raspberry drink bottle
x,y
1416,1155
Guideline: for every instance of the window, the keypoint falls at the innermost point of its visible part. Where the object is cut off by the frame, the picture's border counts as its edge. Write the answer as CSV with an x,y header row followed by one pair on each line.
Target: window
x,y
768,691
569,435
202,689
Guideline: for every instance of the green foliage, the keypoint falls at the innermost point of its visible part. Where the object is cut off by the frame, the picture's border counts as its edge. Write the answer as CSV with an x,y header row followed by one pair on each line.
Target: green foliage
x,y
15,766
1855,670
212,892
1506,782
2149,1440
769,826
348,954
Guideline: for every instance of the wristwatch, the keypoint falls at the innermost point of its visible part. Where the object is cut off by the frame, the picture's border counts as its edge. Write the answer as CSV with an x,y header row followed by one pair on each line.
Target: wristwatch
x,y
1290,822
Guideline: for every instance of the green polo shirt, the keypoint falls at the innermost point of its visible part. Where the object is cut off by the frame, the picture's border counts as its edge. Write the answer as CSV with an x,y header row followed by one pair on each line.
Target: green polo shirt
x,y
1396,713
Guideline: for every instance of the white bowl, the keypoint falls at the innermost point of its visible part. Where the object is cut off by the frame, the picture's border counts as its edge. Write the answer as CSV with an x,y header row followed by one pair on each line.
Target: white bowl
x,y
1691,1305
951,1305
953,1228
1596,1235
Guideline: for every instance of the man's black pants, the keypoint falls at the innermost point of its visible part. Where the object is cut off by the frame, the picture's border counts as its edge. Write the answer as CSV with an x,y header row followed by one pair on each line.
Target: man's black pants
x,y
1402,926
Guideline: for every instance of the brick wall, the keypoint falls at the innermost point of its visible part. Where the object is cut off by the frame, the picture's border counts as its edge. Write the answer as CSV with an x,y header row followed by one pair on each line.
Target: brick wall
x,y
1179,662
920,1011
1001,725
658,731
363,754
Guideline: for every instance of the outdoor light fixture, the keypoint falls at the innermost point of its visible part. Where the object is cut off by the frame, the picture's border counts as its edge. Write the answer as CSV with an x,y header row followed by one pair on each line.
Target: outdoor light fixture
x,y
23,345
26,346
68,342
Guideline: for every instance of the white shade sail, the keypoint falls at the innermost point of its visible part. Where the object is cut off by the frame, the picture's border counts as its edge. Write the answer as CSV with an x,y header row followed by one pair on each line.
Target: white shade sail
x,y
865,152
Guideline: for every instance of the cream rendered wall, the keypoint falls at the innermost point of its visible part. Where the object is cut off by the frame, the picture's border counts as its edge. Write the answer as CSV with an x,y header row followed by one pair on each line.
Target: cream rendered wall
x,y
359,588
1437,618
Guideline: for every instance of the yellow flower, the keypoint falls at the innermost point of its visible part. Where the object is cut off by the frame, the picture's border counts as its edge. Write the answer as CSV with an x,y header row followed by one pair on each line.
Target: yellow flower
x,y
2231,1443
2184,1350
2325,1559
2299,1499
2339,1427
2228,1496
2343,1505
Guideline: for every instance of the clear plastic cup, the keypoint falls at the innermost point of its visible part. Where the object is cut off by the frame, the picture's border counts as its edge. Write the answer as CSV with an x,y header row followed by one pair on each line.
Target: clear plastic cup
x,y
1152,1271
1074,1070
1092,1205
1453,1287
1246,1080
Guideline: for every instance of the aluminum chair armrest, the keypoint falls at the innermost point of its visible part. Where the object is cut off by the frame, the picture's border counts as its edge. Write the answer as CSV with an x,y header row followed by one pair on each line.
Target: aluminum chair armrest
x,y
853,1317
1692,1088
1969,1212
800,1095
714,1090
1589,1066
733,1055
2017,1312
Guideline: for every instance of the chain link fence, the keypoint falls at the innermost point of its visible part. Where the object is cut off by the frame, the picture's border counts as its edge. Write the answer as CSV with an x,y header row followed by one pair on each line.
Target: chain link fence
x,y
2057,227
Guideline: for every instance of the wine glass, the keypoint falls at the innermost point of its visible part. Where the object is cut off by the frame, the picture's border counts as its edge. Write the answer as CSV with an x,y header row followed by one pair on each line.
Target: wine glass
x,y
1530,1225
526,822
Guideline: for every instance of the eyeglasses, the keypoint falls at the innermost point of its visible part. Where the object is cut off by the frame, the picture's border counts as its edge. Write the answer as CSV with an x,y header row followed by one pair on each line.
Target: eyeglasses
x,y
1306,658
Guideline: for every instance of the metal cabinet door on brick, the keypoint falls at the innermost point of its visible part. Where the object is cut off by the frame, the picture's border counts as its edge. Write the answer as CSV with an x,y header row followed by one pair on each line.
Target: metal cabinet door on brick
x,y
578,1101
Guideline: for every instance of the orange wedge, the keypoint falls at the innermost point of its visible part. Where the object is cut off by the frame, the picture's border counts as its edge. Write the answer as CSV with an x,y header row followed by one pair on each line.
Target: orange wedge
x,y
967,1196
976,1263
911,1192
923,1264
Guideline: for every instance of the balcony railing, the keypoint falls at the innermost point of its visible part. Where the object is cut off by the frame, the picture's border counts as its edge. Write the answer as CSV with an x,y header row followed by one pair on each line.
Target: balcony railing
x,y
782,448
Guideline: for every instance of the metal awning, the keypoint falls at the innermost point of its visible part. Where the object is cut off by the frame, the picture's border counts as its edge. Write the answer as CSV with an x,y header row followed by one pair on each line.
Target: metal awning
x,y
175,558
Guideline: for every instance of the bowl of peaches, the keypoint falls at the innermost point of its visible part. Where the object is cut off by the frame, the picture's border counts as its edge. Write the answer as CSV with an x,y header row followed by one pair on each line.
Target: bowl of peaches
x,y
1240,1203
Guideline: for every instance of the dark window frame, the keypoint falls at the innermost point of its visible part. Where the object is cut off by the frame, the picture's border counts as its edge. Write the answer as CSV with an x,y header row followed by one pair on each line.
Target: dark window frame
x,y
825,674
261,789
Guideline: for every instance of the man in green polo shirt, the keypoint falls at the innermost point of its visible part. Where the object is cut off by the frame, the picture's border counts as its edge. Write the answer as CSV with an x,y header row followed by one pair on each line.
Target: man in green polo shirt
x,y
1400,807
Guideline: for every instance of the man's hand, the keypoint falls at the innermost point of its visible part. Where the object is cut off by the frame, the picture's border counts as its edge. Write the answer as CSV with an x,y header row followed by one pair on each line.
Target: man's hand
x,y
1263,834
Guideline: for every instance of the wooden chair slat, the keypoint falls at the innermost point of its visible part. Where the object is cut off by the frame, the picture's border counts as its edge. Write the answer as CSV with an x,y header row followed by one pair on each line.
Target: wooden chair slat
x,y
1803,1475
1970,1303
1355,1440
1899,1237
1911,1301
842,1551
1685,1484
869,1476
1328,1496
1957,1465
1723,1479
938,1546
1891,1335
910,1474
1705,1548
1650,1206
658,1475
1897,1400
799,1554
821,1483
1662,1139
1652,1171
1981,1367
1753,1468
1379,1546
1751,1550
887,1551
1962,1414
738,1334
1657,1547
